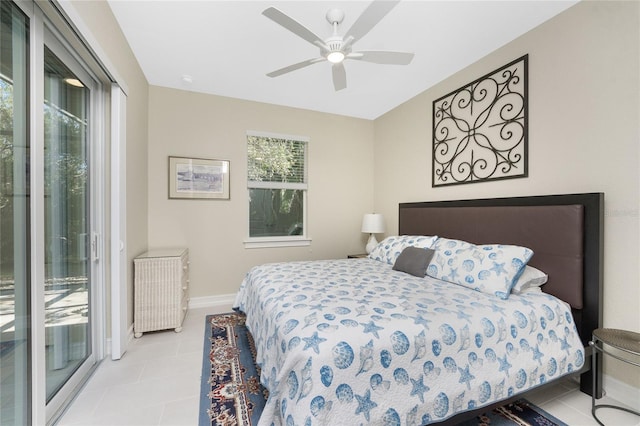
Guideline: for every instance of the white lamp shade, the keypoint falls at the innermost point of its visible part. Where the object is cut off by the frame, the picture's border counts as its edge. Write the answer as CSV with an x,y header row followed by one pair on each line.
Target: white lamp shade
x,y
373,223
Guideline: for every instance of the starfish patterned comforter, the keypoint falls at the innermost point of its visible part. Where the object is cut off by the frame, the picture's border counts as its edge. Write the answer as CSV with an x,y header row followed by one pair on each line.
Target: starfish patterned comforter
x,y
350,342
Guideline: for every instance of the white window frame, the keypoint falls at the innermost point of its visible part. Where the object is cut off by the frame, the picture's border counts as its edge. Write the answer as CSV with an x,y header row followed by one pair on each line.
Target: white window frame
x,y
281,241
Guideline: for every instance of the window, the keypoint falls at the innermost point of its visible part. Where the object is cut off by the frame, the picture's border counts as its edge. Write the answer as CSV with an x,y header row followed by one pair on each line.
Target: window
x,y
277,183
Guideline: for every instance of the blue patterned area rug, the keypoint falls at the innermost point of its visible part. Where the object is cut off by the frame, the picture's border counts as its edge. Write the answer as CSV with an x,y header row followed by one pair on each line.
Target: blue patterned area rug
x,y
231,393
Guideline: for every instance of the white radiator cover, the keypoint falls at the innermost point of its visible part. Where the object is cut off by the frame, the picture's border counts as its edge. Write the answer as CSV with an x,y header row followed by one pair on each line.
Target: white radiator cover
x,y
161,290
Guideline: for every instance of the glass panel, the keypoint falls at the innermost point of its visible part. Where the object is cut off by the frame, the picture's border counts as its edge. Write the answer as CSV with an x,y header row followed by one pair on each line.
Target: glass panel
x,y
275,212
14,225
66,223
276,160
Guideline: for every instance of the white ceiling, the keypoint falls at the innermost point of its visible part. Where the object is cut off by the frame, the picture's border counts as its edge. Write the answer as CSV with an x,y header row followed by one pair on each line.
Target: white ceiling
x,y
227,47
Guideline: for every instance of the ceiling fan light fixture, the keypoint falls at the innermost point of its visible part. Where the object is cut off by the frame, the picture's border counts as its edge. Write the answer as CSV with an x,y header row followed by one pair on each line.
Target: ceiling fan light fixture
x,y
335,57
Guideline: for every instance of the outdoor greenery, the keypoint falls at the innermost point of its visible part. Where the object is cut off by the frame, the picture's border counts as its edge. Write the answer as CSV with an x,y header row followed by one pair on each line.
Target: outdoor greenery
x,y
65,170
275,160
6,183
6,143
65,176
276,211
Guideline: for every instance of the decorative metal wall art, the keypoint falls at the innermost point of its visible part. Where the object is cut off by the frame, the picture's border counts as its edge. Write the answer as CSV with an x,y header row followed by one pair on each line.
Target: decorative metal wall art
x,y
480,130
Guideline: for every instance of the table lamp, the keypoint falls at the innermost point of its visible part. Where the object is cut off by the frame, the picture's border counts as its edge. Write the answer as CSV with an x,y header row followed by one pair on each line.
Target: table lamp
x,y
372,223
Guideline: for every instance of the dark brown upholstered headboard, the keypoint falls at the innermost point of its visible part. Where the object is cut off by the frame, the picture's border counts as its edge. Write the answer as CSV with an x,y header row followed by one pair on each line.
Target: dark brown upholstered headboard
x,y
564,231
554,233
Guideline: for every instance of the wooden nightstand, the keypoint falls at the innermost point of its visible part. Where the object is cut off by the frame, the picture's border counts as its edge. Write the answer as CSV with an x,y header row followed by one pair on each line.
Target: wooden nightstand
x,y
357,256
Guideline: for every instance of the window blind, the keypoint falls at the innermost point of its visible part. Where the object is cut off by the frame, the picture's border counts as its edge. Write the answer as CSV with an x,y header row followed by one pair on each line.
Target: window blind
x,y
273,161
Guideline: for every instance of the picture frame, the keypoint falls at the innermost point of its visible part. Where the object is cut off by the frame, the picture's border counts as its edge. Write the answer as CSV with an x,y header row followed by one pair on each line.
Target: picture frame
x,y
198,178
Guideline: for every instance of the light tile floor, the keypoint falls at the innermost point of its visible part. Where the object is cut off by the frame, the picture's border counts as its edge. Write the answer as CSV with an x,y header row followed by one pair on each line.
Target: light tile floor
x,y
157,382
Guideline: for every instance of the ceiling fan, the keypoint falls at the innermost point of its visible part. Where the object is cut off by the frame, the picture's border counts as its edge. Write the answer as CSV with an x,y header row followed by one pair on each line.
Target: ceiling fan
x,y
338,48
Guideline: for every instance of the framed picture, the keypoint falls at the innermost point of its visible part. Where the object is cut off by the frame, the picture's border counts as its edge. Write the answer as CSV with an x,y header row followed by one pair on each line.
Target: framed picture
x,y
198,178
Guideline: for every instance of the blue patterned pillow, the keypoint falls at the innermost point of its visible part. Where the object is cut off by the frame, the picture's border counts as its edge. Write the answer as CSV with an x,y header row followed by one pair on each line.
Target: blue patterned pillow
x,y
390,248
491,269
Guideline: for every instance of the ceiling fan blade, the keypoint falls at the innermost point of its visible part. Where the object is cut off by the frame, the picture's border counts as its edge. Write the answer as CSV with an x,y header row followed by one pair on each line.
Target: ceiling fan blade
x,y
369,18
294,67
382,57
339,76
292,25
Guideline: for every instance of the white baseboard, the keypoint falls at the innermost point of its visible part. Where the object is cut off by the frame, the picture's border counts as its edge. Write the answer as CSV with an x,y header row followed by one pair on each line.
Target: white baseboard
x,y
620,391
223,301
107,352
212,301
130,334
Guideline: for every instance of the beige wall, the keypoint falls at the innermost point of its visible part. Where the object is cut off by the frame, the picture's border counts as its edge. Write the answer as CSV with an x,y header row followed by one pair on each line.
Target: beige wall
x,y
188,124
583,137
98,17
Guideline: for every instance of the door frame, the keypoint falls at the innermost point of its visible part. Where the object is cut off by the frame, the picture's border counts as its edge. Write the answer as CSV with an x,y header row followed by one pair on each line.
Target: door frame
x,y
120,335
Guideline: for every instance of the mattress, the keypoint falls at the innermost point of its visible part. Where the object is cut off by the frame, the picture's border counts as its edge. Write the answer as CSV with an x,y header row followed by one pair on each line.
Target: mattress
x,y
352,341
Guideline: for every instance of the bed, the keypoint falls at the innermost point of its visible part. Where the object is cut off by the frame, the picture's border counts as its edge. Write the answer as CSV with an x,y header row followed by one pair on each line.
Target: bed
x,y
353,341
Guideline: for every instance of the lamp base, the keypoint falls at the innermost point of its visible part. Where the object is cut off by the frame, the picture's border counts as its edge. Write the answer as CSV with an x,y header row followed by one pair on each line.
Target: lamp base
x,y
371,244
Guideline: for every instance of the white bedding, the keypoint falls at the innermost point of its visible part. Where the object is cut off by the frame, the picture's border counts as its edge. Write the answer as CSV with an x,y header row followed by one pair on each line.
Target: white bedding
x,y
349,342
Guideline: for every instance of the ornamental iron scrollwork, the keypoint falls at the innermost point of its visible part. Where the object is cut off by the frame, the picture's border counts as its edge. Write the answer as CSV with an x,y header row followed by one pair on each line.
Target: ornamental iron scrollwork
x,y
480,130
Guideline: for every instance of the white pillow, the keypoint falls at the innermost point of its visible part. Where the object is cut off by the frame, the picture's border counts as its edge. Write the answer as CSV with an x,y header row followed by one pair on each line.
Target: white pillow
x,y
532,290
530,280
390,248
491,269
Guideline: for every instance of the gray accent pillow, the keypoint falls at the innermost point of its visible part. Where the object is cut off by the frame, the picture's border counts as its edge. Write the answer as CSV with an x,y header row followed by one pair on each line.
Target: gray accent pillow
x,y
414,261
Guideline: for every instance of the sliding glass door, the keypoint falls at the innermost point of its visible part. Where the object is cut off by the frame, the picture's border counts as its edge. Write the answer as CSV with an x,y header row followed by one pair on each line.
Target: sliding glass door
x,y
15,343
50,217
70,276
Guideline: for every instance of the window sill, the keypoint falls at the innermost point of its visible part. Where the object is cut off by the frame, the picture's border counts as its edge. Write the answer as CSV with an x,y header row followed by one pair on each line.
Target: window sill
x,y
252,243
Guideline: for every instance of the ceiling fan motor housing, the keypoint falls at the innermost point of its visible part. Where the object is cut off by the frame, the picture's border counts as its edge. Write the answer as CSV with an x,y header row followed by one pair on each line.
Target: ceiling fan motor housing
x,y
335,53
334,44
